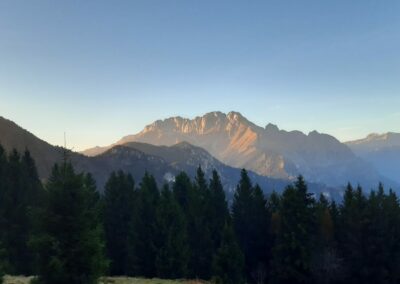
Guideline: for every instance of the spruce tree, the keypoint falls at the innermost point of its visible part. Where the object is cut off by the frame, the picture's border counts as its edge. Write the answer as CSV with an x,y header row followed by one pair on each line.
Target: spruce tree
x,y
326,264
172,247
217,209
143,236
183,191
21,194
251,222
69,241
118,202
199,228
291,262
3,227
352,228
228,263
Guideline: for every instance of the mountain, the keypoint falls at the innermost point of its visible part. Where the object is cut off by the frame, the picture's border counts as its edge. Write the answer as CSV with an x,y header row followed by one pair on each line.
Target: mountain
x,y
381,150
13,136
164,162
136,158
269,151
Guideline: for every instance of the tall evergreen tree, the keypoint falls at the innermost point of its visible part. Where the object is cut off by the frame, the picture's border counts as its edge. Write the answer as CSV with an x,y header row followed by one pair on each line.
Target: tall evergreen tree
x,y
228,263
217,210
70,242
352,228
292,251
143,237
326,265
252,227
118,202
183,191
21,194
172,247
3,227
199,228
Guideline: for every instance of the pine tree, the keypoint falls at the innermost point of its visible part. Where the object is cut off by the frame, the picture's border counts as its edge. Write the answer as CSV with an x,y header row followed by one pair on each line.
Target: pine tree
x,y
69,242
292,251
21,194
261,223
228,263
118,202
326,264
199,228
241,214
3,227
143,236
183,191
172,247
217,209
252,226
352,226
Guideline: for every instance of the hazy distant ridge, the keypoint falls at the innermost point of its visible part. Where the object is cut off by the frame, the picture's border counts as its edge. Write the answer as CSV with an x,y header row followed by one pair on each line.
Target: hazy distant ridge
x,y
268,151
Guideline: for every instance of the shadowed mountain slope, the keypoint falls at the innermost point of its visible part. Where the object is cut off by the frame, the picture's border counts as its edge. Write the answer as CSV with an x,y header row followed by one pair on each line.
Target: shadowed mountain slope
x,y
269,151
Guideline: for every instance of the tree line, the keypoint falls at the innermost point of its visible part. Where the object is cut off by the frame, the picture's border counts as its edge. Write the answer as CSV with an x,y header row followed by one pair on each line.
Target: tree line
x,y
64,231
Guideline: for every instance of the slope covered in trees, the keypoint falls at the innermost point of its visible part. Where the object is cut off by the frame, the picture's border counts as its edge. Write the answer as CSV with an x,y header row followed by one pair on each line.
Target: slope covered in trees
x,y
66,232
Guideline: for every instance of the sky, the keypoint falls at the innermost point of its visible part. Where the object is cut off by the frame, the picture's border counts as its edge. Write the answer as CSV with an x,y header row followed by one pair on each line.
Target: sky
x,y
99,70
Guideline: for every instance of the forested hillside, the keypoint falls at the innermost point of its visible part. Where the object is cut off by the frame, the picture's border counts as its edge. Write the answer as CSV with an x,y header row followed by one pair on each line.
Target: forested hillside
x,y
64,231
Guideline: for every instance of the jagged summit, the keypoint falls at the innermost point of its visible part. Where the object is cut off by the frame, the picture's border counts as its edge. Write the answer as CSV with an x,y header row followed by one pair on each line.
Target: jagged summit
x,y
269,151
271,127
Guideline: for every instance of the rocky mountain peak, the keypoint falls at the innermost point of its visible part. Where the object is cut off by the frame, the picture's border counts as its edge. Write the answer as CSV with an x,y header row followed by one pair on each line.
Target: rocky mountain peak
x,y
272,128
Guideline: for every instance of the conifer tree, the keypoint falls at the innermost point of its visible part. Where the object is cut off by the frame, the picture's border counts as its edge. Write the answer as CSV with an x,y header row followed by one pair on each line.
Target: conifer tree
x,y
352,228
172,247
326,265
183,191
292,250
3,253
21,194
143,236
228,263
199,228
241,214
69,242
217,209
118,202
252,227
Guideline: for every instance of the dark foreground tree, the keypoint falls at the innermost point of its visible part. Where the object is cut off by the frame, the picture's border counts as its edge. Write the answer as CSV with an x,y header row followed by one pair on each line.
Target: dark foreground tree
x,y
20,194
291,262
228,263
252,226
118,202
69,240
143,237
173,251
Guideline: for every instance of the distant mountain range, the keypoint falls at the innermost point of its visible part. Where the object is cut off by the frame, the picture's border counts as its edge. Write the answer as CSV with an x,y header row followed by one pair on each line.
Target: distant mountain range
x,y
269,151
136,158
227,143
382,151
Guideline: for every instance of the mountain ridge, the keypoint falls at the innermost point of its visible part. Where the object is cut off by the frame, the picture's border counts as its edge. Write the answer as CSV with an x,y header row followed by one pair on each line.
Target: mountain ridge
x,y
135,158
382,151
268,151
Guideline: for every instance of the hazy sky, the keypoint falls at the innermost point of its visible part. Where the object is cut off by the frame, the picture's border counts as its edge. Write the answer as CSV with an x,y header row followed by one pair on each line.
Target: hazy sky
x,y
103,69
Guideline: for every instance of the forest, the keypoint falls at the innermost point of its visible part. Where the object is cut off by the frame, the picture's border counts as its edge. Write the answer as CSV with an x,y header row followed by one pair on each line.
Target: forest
x,y
64,231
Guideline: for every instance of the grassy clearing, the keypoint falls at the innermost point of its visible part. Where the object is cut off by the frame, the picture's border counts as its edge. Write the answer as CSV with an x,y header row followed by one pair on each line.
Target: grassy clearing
x,y
110,280
128,280
16,279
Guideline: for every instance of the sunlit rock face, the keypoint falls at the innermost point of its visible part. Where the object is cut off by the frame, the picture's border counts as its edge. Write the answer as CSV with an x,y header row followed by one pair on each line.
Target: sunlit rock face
x,y
268,151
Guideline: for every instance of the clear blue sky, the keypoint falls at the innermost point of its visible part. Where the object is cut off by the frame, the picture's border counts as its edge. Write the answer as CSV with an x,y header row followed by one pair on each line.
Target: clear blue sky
x,y
103,69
